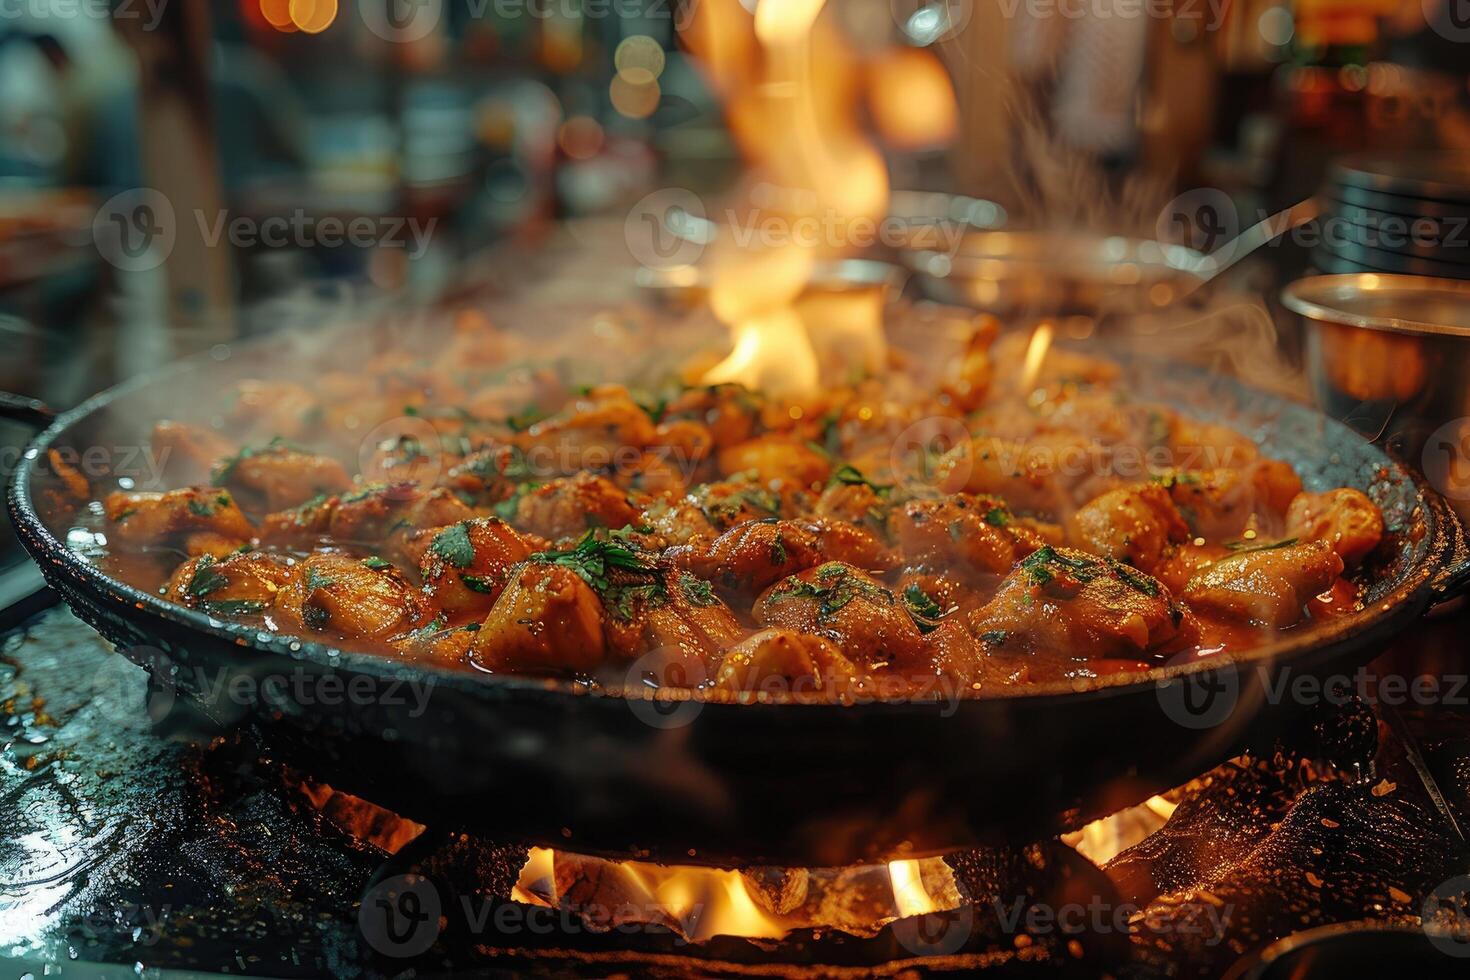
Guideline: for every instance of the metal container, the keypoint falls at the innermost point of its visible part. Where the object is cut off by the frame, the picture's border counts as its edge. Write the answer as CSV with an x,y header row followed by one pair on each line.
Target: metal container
x,y
1054,274
1390,356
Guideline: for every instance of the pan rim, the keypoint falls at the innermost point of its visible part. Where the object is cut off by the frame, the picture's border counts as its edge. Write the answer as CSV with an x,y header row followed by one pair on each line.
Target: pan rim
x,y
1442,566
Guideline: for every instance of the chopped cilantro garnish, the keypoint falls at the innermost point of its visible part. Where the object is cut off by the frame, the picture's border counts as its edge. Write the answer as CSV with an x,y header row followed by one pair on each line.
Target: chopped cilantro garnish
x,y
696,590
232,607
201,508
377,564
997,517
835,587
206,579
851,476
1137,580
316,580
454,546
477,584
924,611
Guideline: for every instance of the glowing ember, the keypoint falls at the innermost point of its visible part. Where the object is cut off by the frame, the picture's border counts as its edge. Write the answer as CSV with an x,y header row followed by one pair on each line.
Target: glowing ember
x,y
1106,838
759,903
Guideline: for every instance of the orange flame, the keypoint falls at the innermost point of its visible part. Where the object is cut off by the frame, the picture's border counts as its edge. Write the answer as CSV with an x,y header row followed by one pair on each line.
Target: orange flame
x,y
701,903
793,87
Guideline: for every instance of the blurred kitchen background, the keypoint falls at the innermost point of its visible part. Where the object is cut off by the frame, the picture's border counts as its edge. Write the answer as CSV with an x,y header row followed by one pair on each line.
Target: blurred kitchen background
x,y
171,171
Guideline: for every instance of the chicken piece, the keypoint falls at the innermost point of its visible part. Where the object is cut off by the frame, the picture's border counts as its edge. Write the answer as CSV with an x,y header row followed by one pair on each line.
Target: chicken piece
x,y
275,408
186,453
1135,524
238,584
728,411
684,442
777,460
1267,586
733,502
1198,445
676,522
465,566
653,472
852,498
1183,562
279,476
1037,476
592,431
567,507
670,610
777,661
969,380
547,621
73,483
1223,503
376,515
493,473
350,598
446,647
750,556
1344,518
145,520
1063,601
872,626
962,533
852,544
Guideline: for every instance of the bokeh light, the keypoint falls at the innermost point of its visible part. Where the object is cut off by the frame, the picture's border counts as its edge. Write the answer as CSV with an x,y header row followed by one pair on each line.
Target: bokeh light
x,y
634,100
639,59
313,16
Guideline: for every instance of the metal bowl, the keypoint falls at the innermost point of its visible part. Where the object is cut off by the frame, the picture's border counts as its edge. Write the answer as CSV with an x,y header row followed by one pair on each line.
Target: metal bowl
x,y
1054,274
686,287
1390,356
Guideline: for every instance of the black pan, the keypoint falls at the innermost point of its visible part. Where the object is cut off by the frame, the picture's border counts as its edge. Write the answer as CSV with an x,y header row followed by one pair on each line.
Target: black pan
x,y
780,782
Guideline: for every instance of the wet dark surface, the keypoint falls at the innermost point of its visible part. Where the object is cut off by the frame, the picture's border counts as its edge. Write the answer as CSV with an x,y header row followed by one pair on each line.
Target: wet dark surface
x,y
127,841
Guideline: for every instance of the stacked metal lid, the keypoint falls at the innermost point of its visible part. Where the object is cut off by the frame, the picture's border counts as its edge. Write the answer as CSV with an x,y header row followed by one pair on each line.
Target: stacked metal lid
x,y
1400,214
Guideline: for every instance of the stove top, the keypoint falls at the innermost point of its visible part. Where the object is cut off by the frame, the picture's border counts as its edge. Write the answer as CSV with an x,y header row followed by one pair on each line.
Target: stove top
x,y
132,846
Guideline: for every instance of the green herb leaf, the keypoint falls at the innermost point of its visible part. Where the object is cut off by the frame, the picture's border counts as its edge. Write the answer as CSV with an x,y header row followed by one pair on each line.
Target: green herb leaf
x,y
924,611
1245,547
697,590
377,564
454,546
206,579
477,584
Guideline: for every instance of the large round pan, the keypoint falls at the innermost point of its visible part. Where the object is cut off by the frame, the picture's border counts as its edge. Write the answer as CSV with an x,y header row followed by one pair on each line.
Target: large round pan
x,y
778,782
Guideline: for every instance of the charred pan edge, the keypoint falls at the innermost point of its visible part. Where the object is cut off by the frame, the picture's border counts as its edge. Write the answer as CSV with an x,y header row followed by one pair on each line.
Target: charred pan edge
x,y
122,612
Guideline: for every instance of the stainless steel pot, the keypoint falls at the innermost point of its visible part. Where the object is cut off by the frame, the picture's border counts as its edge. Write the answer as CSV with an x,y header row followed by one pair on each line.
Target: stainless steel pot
x,y
1390,356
